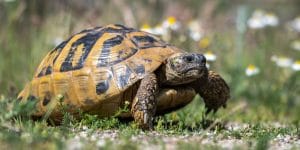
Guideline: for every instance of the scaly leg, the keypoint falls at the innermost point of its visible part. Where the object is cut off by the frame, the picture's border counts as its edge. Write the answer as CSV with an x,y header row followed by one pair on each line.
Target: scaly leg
x,y
144,104
214,91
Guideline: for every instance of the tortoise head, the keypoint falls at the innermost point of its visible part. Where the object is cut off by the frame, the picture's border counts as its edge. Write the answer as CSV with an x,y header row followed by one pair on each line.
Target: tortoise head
x,y
181,68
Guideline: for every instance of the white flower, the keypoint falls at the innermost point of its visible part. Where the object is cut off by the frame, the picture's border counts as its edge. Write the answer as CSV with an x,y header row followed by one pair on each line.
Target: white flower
x,y
296,45
271,19
274,58
210,56
195,31
296,65
251,70
159,30
255,23
261,19
196,36
256,20
171,22
282,61
295,24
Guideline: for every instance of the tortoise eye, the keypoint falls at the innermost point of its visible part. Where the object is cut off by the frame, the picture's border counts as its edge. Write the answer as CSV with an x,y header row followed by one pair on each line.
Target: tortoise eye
x,y
189,58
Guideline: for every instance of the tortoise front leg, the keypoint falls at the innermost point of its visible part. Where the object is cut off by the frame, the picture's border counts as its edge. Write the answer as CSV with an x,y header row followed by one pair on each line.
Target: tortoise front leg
x,y
214,91
144,104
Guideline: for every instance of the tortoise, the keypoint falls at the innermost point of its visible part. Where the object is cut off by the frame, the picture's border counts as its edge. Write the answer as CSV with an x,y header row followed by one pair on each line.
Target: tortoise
x,y
103,69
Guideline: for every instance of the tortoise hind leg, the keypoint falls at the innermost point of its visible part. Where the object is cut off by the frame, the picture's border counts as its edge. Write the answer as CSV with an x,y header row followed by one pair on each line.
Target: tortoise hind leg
x,y
144,104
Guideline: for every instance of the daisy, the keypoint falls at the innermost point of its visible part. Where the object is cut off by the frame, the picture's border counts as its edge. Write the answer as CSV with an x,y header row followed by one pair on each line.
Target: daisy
x,y
282,61
195,31
256,21
295,24
296,65
271,19
171,22
210,56
261,19
251,70
146,28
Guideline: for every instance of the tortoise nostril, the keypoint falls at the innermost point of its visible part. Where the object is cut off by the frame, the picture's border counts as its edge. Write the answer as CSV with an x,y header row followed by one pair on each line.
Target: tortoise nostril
x,y
201,59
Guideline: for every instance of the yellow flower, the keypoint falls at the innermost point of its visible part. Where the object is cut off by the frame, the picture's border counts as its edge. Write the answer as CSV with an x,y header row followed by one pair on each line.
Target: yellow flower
x,y
251,70
171,22
146,28
296,65
204,42
210,56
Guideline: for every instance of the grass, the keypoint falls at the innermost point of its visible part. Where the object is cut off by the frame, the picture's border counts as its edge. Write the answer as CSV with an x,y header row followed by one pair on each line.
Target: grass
x,y
264,108
19,131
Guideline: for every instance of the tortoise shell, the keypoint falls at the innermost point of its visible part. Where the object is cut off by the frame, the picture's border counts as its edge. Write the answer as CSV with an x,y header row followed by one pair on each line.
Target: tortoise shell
x,y
95,66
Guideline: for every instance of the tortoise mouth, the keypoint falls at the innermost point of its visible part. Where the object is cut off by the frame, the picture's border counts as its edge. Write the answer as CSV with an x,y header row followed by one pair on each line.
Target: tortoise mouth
x,y
192,74
195,69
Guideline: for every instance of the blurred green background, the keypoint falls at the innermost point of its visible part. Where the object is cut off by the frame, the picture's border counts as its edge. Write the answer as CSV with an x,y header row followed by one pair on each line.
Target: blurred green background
x,y
260,36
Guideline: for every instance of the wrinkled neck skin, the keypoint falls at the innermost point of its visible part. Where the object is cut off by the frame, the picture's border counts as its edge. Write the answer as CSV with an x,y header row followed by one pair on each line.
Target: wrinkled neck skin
x,y
168,78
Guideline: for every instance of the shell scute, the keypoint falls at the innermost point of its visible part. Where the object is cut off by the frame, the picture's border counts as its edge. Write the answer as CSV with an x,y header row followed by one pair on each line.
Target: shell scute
x,y
123,75
104,83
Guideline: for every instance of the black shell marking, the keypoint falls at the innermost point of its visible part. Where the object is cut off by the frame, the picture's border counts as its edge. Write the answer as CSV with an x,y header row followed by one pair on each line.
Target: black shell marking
x,y
143,42
88,41
48,70
104,56
57,50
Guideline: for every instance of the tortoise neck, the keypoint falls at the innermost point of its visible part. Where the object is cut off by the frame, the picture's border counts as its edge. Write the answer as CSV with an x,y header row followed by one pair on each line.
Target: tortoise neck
x,y
161,75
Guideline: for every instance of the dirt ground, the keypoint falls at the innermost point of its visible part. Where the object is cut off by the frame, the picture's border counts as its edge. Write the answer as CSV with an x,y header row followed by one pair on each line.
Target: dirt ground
x,y
169,141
